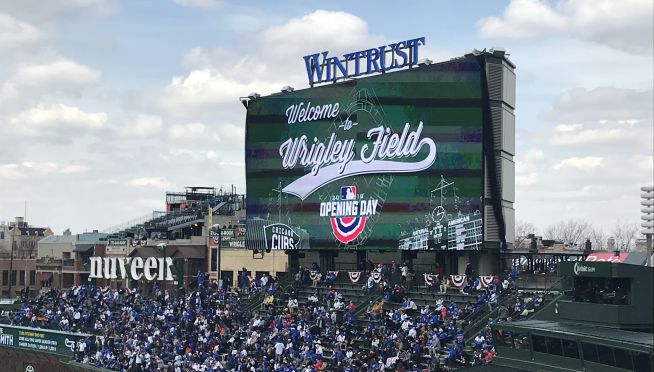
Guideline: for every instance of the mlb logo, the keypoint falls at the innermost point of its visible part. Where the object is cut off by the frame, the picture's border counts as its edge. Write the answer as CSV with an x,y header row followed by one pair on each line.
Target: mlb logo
x,y
348,192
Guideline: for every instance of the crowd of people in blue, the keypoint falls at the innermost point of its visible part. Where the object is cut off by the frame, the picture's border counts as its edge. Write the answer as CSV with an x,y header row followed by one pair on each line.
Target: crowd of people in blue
x,y
205,330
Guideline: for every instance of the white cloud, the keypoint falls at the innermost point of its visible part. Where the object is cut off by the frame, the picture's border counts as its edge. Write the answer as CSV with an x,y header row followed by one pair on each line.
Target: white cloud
x,y
534,155
604,115
15,33
61,75
35,169
203,89
601,103
205,4
218,77
142,126
57,122
158,182
526,179
193,132
46,9
624,24
567,128
586,164
647,164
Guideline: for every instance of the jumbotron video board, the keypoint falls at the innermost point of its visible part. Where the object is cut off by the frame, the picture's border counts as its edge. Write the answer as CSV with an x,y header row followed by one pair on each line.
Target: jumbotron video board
x,y
385,162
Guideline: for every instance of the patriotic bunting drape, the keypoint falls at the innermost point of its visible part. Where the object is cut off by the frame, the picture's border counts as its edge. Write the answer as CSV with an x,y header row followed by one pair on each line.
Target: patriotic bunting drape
x,y
354,276
376,276
313,274
429,278
486,280
458,281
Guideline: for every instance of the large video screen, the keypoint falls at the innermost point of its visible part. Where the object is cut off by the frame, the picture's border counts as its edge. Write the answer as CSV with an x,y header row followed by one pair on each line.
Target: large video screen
x,y
386,162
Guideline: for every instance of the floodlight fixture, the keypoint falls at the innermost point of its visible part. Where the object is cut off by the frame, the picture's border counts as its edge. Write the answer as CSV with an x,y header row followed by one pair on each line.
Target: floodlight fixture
x,y
472,52
498,51
287,89
254,95
425,62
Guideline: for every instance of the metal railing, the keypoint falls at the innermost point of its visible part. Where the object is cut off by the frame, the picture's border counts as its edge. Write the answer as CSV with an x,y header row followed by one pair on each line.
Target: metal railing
x,y
134,222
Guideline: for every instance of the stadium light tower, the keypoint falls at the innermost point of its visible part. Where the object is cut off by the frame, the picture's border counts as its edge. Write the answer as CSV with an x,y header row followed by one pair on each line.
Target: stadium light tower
x,y
648,218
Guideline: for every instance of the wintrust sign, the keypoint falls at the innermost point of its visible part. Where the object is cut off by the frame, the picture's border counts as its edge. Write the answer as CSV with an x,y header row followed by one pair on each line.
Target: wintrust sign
x,y
403,53
133,268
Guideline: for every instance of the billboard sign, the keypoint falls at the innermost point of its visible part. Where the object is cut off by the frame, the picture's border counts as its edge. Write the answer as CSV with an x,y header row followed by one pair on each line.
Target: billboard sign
x,y
393,160
62,343
585,268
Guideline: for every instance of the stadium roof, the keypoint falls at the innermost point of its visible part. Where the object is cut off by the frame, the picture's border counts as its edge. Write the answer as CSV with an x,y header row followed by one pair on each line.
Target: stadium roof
x,y
72,239
496,368
612,334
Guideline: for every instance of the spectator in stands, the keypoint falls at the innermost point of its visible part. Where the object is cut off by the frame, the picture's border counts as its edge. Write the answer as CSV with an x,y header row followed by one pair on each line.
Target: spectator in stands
x,y
469,272
404,270
316,278
445,284
514,273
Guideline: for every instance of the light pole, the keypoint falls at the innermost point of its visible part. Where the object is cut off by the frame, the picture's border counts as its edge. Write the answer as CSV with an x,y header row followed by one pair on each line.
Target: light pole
x,y
163,247
11,259
216,228
648,218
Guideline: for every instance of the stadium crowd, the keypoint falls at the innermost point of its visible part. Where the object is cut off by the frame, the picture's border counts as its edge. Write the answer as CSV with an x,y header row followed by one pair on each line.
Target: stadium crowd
x,y
205,330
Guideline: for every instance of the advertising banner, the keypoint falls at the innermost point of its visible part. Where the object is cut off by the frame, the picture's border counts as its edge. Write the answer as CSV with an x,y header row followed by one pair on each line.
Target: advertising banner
x,y
393,160
62,343
585,268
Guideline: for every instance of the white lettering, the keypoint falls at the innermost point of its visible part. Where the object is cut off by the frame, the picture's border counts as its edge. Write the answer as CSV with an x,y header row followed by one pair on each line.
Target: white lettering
x,y
96,267
137,263
150,263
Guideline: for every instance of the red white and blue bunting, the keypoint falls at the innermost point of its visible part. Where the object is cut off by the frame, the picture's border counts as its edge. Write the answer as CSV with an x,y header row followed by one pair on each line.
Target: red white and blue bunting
x,y
313,274
376,276
335,274
458,281
140,243
429,278
354,276
486,280
252,279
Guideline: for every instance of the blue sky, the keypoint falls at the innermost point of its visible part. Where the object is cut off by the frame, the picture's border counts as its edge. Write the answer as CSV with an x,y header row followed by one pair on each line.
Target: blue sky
x,y
105,105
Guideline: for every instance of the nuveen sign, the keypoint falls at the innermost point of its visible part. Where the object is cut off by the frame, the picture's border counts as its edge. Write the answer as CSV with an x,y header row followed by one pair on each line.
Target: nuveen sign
x,y
133,268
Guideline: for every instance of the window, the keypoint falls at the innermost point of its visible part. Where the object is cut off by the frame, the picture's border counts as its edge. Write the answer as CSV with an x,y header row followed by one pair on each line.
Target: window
x,y
570,349
32,277
641,361
520,341
22,277
214,259
554,346
5,277
623,359
605,354
503,338
590,353
13,277
540,344
65,255
45,284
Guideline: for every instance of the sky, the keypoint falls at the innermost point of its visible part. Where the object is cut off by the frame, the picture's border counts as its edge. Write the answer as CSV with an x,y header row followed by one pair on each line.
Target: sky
x,y
105,105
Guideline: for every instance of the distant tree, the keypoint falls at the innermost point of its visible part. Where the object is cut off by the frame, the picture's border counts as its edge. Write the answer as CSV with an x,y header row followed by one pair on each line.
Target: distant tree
x,y
522,231
598,238
625,234
570,231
